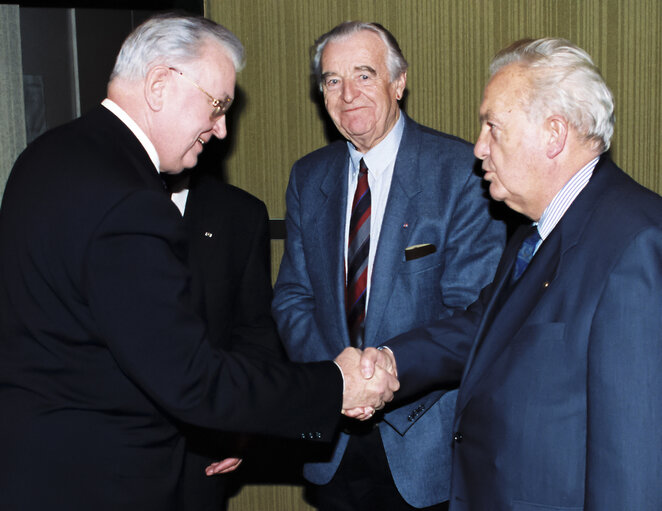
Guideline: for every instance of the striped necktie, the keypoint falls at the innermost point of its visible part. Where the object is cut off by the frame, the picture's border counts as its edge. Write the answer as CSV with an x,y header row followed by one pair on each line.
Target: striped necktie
x,y
358,248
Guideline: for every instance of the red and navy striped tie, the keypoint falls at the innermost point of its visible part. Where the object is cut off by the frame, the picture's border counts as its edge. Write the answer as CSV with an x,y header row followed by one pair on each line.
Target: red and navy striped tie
x,y
358,249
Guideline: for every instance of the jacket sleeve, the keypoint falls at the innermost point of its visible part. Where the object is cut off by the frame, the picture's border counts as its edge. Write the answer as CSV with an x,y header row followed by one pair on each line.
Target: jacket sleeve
x,y
294,305
137,286
624,445
474,245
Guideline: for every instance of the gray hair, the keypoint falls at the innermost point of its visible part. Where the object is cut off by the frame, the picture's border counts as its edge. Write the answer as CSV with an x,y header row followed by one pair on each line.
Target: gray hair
x,y
395,60
172,39
565,81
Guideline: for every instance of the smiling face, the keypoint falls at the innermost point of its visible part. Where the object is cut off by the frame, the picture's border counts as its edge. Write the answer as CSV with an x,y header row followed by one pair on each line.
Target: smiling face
x,y
358,93
511,144
184,125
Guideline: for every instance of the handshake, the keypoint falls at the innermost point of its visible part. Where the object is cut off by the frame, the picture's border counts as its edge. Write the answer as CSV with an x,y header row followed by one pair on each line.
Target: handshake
x,y
370,377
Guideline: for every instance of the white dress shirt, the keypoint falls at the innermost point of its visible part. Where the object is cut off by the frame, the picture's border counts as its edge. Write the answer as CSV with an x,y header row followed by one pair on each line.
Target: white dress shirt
x,y
380,161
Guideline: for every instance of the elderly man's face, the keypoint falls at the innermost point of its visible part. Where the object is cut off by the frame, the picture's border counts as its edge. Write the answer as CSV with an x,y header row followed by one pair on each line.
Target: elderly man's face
x,y
358,93
510,144
186,125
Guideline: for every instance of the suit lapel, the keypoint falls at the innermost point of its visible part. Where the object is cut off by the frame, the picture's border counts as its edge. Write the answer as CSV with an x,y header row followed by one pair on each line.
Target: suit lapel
x,y
329,229
508,310
399,220
504,316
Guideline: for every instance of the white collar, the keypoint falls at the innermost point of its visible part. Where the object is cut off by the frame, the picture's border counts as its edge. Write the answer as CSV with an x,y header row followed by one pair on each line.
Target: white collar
x,y
135,129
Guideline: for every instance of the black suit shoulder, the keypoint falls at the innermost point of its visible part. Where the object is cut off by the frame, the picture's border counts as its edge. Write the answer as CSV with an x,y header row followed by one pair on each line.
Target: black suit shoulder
x,y
208,186
230,261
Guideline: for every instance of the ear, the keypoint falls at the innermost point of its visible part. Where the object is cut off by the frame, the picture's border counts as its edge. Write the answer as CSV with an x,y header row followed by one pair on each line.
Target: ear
x,y
557,132
399,85
155,86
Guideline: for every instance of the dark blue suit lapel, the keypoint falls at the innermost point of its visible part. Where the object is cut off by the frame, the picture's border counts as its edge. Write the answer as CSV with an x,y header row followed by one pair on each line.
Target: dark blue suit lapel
x,y
508,310
504,317
394,234
330,235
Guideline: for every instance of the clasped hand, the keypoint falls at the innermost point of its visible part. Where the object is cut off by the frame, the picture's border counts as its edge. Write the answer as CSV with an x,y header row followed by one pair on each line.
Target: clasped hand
x,y
371,378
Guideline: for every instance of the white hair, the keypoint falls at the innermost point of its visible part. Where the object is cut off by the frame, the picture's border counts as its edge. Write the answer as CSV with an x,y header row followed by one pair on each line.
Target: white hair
x,y
171,39
564,81
395,60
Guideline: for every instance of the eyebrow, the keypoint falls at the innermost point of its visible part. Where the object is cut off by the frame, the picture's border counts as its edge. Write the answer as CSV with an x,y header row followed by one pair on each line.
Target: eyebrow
x,y
326,74
365,69
486,116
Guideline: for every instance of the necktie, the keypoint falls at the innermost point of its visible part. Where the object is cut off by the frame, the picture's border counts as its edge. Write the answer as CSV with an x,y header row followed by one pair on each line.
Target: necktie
x,y
525,253
358,248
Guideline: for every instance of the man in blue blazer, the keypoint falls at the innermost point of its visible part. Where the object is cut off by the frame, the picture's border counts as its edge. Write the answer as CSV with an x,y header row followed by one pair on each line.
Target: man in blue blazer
x,y
432,247
560,403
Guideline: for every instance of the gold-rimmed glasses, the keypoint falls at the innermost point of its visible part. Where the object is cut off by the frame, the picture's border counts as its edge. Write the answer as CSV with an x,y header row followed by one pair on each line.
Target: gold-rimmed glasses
x,y
221,106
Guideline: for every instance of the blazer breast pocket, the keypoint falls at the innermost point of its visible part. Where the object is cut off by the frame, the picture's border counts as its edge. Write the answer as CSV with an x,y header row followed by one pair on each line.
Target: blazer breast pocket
x,y
418,251
419,258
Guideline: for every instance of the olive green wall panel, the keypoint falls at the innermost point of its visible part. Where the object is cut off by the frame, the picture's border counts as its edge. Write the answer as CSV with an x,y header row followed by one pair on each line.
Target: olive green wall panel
x,y
448,44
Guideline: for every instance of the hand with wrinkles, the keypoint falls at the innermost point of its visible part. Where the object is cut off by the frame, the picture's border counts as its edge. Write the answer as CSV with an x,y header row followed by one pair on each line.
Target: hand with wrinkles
x,y
370,381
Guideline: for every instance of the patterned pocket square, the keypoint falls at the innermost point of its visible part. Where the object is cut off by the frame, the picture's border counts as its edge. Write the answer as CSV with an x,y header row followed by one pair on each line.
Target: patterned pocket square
x,y
418,251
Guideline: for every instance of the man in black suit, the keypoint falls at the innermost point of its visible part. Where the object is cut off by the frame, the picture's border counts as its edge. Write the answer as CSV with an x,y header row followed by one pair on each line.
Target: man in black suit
x,y
230,263
101,352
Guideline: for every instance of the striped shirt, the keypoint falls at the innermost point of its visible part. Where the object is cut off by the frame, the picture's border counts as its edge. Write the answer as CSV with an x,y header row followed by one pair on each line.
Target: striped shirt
x,y
562,200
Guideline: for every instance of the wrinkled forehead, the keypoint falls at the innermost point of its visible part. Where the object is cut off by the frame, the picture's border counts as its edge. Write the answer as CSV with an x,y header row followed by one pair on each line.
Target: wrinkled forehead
x,y
363,48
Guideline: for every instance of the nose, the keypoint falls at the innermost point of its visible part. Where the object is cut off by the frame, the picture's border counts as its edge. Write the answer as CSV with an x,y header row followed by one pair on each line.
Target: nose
x,y
481,148
220,129
349,91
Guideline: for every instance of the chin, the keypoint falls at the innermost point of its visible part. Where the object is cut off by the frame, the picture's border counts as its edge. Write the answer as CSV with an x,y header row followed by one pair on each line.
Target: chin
x,y
189,162
497,193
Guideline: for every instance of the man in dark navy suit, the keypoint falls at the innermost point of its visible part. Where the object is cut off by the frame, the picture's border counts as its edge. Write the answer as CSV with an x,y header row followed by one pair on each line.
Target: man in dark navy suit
x,y
102,353
559,359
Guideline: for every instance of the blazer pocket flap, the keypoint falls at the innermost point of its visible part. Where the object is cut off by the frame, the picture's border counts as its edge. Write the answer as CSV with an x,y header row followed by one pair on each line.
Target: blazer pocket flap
x,y
418,251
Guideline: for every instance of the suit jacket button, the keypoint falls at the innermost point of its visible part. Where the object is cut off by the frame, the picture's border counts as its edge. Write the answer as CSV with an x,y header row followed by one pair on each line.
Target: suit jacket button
x,y
457,437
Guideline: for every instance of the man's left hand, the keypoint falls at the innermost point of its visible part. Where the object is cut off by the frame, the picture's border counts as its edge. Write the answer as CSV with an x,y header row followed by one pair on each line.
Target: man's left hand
x,y
223,467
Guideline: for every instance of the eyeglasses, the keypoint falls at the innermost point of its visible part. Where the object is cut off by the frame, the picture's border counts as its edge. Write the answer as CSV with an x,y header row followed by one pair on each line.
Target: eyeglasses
x,y
221,106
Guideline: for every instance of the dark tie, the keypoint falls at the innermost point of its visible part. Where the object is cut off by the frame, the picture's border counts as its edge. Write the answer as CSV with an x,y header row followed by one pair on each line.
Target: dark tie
x,y
358,248
525,253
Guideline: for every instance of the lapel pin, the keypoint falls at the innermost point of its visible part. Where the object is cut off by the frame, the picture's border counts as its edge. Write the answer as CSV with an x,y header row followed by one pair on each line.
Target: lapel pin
x,y
405,225
208,234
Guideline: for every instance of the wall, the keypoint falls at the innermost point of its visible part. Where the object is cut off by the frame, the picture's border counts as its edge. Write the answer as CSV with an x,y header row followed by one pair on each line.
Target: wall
x,y
12,118
448,44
